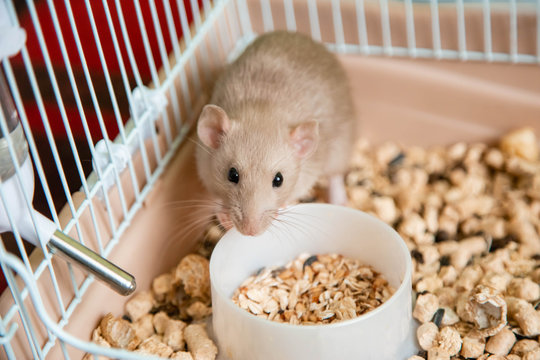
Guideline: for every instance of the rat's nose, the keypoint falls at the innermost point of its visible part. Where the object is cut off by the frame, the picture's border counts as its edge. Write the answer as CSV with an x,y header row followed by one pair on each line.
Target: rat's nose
x,y
250,230
250,226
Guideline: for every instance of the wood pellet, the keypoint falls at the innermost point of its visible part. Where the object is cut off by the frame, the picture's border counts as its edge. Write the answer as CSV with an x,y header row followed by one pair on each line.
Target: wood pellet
x,y
316,289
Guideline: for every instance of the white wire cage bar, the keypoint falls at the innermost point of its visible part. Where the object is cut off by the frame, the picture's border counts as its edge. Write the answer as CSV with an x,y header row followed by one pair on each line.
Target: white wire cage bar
x,y
123,102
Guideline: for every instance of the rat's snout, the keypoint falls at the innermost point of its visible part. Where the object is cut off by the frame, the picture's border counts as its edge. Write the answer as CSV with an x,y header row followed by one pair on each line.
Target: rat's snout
x,y
251,226
254,222
247,225
250,214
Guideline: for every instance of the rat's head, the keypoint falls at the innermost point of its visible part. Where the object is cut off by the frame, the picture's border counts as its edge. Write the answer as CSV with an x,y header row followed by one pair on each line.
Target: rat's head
x,y
251,167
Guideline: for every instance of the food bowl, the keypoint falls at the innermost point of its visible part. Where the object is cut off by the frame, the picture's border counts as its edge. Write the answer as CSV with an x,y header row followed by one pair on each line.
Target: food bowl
x,y
387,332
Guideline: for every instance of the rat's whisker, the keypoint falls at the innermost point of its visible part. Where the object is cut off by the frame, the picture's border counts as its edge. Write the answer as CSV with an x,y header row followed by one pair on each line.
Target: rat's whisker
x,y
191,205
297,224
180,205
193,216
210,208
195,201
189,217
196,225
292,211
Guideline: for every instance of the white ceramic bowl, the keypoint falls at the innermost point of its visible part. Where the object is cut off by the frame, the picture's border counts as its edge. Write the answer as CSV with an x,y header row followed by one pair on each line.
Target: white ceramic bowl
x,y
388,332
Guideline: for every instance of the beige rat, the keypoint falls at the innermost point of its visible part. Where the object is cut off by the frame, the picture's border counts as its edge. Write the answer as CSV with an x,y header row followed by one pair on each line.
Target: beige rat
x,y
280,117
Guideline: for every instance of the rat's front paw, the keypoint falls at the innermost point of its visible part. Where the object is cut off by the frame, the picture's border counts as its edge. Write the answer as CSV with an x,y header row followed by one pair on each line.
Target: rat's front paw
x,y
225,220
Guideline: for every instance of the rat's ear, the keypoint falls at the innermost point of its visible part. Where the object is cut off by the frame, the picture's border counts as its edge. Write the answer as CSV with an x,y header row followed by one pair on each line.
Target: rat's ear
x,y
213,123
304,139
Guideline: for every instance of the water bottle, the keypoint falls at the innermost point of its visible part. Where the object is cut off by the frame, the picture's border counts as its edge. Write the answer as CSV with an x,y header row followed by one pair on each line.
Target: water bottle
x,y
30,224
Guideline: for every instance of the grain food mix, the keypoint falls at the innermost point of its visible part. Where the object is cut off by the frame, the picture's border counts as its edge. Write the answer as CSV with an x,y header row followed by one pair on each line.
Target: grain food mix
x,y
470,216
317,289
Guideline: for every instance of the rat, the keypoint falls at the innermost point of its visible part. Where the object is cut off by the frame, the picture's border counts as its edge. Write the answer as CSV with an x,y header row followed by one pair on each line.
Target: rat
x,y
280,117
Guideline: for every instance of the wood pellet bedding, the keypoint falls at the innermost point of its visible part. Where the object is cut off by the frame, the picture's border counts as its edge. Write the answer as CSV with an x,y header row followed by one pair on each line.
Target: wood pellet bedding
x,y
316,289
469,214
168,320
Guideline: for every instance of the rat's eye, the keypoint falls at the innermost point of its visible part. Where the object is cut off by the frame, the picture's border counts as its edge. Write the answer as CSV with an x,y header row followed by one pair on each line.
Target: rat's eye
x,y
233,175
278,180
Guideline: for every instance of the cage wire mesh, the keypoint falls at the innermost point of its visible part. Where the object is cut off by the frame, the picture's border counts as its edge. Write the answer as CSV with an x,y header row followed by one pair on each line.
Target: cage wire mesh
x,y
105,93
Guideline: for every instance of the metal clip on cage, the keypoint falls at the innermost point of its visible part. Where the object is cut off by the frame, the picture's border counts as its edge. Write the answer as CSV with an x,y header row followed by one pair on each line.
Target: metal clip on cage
x,y
17,214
